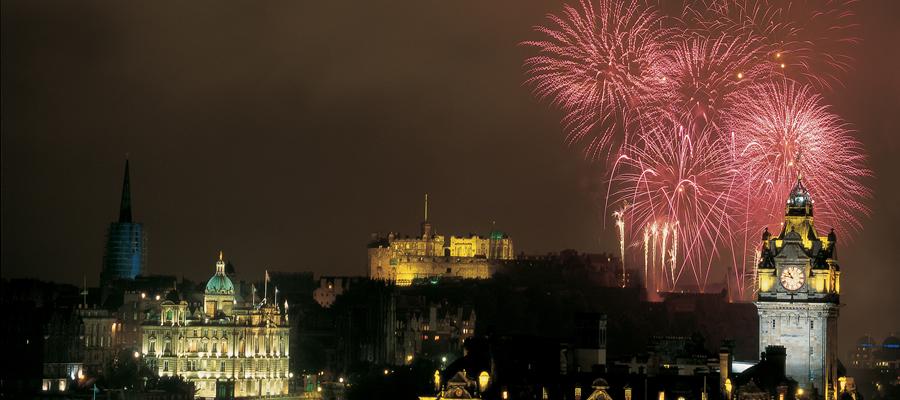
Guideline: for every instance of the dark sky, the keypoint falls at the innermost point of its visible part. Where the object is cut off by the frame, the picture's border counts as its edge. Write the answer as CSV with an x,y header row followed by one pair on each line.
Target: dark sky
x,y
284,133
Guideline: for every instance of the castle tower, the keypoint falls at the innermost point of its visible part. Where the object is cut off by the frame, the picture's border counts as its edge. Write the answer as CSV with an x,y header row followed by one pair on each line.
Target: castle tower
x,y
124,255
798,297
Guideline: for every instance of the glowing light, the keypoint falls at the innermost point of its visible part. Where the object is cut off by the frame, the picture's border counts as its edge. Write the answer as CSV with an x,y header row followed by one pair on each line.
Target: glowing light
x,y
483,379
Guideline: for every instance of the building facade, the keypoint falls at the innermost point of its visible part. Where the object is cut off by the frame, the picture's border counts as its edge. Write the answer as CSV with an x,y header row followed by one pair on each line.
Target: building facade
x,y
798,297
226,346
403,260
125,253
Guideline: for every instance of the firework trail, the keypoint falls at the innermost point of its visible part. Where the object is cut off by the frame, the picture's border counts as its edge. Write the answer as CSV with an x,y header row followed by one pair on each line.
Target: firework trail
x,y
809,40
620,226
677,179
784,131
600,65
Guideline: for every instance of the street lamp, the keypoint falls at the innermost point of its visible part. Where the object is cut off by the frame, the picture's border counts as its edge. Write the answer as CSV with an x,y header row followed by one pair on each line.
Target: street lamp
x,y
483,379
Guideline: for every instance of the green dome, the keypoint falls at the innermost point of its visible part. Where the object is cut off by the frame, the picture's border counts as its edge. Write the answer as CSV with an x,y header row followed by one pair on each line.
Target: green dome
x,y
497,235
219,284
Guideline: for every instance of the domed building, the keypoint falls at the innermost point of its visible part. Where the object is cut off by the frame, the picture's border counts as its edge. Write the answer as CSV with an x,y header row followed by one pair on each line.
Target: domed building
x,y
225,346
219,294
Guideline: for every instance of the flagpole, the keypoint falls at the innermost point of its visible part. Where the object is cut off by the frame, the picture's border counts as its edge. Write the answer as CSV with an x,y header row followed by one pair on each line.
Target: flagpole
x,y
266,287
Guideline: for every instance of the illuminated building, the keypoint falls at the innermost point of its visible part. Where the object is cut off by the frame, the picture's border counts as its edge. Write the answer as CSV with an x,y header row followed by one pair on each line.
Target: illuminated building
x,y
124,255
428,256
798,298
225,346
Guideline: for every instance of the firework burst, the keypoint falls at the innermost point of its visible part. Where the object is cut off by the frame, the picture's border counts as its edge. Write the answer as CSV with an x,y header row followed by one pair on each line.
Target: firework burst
x,y
784,131
808,40
676,182
600,64
707,74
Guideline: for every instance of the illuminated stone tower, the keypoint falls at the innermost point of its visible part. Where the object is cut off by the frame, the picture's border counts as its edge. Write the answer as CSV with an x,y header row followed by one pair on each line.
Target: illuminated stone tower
x,y
124,255
798,298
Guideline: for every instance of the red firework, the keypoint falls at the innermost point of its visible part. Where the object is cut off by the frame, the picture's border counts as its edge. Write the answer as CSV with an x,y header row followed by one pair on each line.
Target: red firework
x,y
677,179
708,73
809,40
600,65
784,131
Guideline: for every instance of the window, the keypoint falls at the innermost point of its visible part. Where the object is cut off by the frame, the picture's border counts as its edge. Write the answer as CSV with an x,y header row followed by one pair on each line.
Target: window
x,y
222,366
165,365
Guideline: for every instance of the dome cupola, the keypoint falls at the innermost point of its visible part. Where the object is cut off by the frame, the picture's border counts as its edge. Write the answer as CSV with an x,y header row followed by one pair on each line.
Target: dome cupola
x,y
799,202
220,283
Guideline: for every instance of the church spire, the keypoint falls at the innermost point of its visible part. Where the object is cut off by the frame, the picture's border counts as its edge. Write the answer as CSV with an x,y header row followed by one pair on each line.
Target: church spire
x,y
125,206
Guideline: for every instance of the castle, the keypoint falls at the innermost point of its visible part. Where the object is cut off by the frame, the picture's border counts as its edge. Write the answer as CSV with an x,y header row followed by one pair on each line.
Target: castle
x,y
429,256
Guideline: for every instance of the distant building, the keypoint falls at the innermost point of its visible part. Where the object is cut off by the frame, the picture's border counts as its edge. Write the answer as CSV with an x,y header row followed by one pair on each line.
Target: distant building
x,y
227,347
77,343
330,287
798,297
125,254
430,330
765,380
875,365
405,259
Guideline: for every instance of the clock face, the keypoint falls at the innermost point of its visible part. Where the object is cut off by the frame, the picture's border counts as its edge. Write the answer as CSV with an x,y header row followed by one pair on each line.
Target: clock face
x,y
792,278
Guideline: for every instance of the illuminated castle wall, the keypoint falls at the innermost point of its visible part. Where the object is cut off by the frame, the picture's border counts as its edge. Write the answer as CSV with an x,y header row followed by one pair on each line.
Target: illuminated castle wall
x,y
798,298
404,259
225,342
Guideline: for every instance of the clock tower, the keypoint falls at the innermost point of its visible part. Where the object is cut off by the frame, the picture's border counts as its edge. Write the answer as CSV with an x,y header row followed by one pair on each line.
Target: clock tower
x,y
798,297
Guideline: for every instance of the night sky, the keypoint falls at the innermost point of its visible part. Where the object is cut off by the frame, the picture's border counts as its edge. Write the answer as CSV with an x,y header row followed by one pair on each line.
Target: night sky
x,y
285,133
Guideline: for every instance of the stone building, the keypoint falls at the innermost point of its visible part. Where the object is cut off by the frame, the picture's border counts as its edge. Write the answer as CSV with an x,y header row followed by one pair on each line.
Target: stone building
x,y
404,260
430,330
798,297
226,346
78,342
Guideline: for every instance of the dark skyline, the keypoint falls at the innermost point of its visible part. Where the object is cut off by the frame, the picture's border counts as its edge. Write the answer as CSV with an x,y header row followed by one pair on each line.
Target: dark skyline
x,y
286,134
